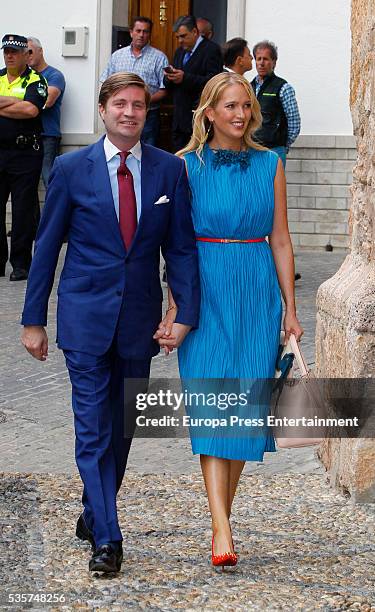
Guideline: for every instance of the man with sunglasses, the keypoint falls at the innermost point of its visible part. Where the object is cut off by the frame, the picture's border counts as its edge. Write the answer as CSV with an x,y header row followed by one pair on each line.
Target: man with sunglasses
x,y
23,94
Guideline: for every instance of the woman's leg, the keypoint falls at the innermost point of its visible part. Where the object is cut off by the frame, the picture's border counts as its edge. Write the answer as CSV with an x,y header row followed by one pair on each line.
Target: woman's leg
x,y
216,474
235,471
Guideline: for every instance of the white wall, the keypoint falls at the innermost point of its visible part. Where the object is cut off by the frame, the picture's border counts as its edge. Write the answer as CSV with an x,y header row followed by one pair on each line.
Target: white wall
x,y
44,19
314,43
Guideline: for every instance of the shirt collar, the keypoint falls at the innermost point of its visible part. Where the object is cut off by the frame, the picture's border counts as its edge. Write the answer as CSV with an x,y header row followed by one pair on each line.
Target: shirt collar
x,y
228,69
197,42
110,150
258,79
144,49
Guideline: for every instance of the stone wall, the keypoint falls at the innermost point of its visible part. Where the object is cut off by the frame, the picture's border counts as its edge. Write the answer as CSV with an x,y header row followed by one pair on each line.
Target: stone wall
x,y
319,172
345,335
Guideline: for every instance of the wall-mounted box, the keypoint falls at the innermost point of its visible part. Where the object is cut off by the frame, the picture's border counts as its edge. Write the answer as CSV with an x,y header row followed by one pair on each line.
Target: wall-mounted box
x,y
75,41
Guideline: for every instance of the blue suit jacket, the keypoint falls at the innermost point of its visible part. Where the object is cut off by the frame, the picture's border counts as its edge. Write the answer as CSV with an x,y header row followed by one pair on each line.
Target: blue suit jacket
x,y
103,289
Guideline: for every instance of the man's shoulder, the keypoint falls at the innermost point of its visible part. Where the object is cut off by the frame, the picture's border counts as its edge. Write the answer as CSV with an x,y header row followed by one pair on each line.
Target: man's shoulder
x,y
121,53
279,80
162,156
51,70
3,72
209,46
157,52
54,77
72,158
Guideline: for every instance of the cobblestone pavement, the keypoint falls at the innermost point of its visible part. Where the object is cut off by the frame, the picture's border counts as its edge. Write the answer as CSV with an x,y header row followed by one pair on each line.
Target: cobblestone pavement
x,y
302,546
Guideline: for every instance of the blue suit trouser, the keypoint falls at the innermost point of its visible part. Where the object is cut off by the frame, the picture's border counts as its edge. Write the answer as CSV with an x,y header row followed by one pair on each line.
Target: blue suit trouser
x,y
103,399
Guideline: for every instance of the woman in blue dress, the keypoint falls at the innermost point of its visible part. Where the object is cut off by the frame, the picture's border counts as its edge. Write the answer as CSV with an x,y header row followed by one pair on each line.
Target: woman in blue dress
x,y
238,200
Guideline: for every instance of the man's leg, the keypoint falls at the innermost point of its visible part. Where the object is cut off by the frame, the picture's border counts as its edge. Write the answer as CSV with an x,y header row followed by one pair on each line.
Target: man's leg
x,y
4,195
51,146
151,130
130,377
24,172
91,394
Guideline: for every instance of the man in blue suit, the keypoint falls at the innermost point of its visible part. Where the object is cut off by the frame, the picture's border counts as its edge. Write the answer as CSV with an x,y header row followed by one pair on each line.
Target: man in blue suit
x,y
119,202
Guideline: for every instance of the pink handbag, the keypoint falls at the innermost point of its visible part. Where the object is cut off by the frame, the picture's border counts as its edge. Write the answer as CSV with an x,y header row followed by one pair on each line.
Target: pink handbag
x,y
298,398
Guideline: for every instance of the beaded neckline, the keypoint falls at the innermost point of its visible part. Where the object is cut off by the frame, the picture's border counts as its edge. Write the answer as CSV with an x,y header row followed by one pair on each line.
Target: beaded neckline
x,y
227,157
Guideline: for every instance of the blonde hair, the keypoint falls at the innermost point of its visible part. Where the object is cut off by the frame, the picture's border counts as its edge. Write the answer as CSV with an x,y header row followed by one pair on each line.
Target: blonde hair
x,y
203,130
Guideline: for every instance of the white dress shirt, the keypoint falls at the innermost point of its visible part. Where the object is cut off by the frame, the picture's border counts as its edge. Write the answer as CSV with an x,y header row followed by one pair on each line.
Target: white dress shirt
x,y
133,161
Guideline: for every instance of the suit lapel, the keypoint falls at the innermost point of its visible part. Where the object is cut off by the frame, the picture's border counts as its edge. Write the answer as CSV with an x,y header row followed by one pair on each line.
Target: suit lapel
x,y
99,176
149,189
196,54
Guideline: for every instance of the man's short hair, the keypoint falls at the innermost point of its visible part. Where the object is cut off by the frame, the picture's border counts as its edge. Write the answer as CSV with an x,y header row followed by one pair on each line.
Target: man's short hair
x,y
188,21
142,20
119,81
232,49
266,44
34,41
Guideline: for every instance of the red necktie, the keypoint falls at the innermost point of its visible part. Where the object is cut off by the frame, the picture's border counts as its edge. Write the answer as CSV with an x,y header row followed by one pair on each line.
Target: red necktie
x,y
127,201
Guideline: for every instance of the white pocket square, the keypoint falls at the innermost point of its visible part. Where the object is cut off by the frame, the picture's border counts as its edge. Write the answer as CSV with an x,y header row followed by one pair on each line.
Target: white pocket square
x,y
162,200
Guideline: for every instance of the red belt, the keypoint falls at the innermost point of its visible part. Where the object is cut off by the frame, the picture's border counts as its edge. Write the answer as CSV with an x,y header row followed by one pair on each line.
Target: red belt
x,y
200,239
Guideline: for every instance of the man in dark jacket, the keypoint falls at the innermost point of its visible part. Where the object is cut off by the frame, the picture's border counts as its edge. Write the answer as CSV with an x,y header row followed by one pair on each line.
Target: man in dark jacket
x,y
195,62
281,120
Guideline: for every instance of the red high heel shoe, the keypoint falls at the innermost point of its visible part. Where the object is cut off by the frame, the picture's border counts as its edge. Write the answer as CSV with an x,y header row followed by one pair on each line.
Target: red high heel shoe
x,y
226,559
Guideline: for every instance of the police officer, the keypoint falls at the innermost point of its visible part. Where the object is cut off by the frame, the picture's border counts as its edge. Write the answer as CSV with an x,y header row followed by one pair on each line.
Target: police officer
x,y
23,93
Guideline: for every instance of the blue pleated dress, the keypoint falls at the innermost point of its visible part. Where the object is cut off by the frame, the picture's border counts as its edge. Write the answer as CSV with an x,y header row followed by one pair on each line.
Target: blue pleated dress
x,y
240,318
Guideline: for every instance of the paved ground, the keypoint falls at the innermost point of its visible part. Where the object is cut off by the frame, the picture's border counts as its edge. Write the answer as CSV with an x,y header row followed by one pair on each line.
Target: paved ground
x,y
302,546
36,427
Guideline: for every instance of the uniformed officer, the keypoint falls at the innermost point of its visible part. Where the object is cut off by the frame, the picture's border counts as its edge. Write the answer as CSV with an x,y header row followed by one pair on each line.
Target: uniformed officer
x,y
23,93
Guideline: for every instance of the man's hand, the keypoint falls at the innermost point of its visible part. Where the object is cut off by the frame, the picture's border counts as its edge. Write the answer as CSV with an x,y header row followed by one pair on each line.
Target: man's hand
x,y
175,337
177,76
165,327
35,340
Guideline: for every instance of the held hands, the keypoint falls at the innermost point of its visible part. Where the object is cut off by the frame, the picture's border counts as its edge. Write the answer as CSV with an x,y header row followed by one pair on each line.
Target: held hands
x,y
292,326
35,341
169,334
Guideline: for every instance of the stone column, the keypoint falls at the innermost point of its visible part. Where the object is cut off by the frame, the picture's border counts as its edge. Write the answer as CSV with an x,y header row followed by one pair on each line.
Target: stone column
x,y
345,336
236,19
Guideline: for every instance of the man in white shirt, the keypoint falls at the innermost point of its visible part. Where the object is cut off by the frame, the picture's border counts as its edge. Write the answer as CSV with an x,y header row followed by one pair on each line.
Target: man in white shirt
x,y
149,63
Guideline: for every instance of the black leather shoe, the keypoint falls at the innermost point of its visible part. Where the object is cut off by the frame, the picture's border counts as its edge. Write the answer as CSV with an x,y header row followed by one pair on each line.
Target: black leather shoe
x,y
297,276
2,270
83,532
107,558
19,274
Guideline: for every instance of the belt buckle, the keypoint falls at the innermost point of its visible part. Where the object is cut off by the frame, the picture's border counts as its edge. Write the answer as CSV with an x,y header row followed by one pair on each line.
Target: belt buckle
x,y
21,141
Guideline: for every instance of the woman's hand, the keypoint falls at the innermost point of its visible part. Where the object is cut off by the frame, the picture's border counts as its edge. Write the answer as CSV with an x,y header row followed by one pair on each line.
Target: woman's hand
x,y
165,327
292,326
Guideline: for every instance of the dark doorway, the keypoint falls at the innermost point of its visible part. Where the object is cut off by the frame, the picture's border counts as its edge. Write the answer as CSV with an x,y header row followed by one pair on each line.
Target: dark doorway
x,y
120,37
215,11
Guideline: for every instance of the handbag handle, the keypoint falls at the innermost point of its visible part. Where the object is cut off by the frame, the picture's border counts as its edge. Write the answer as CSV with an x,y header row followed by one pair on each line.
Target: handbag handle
x,y
294,345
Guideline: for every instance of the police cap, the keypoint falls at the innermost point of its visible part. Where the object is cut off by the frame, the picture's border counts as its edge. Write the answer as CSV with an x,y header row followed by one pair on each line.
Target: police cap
x,y
13,41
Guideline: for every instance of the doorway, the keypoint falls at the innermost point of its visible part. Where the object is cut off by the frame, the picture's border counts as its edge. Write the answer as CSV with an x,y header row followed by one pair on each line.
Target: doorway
x,y
216,12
